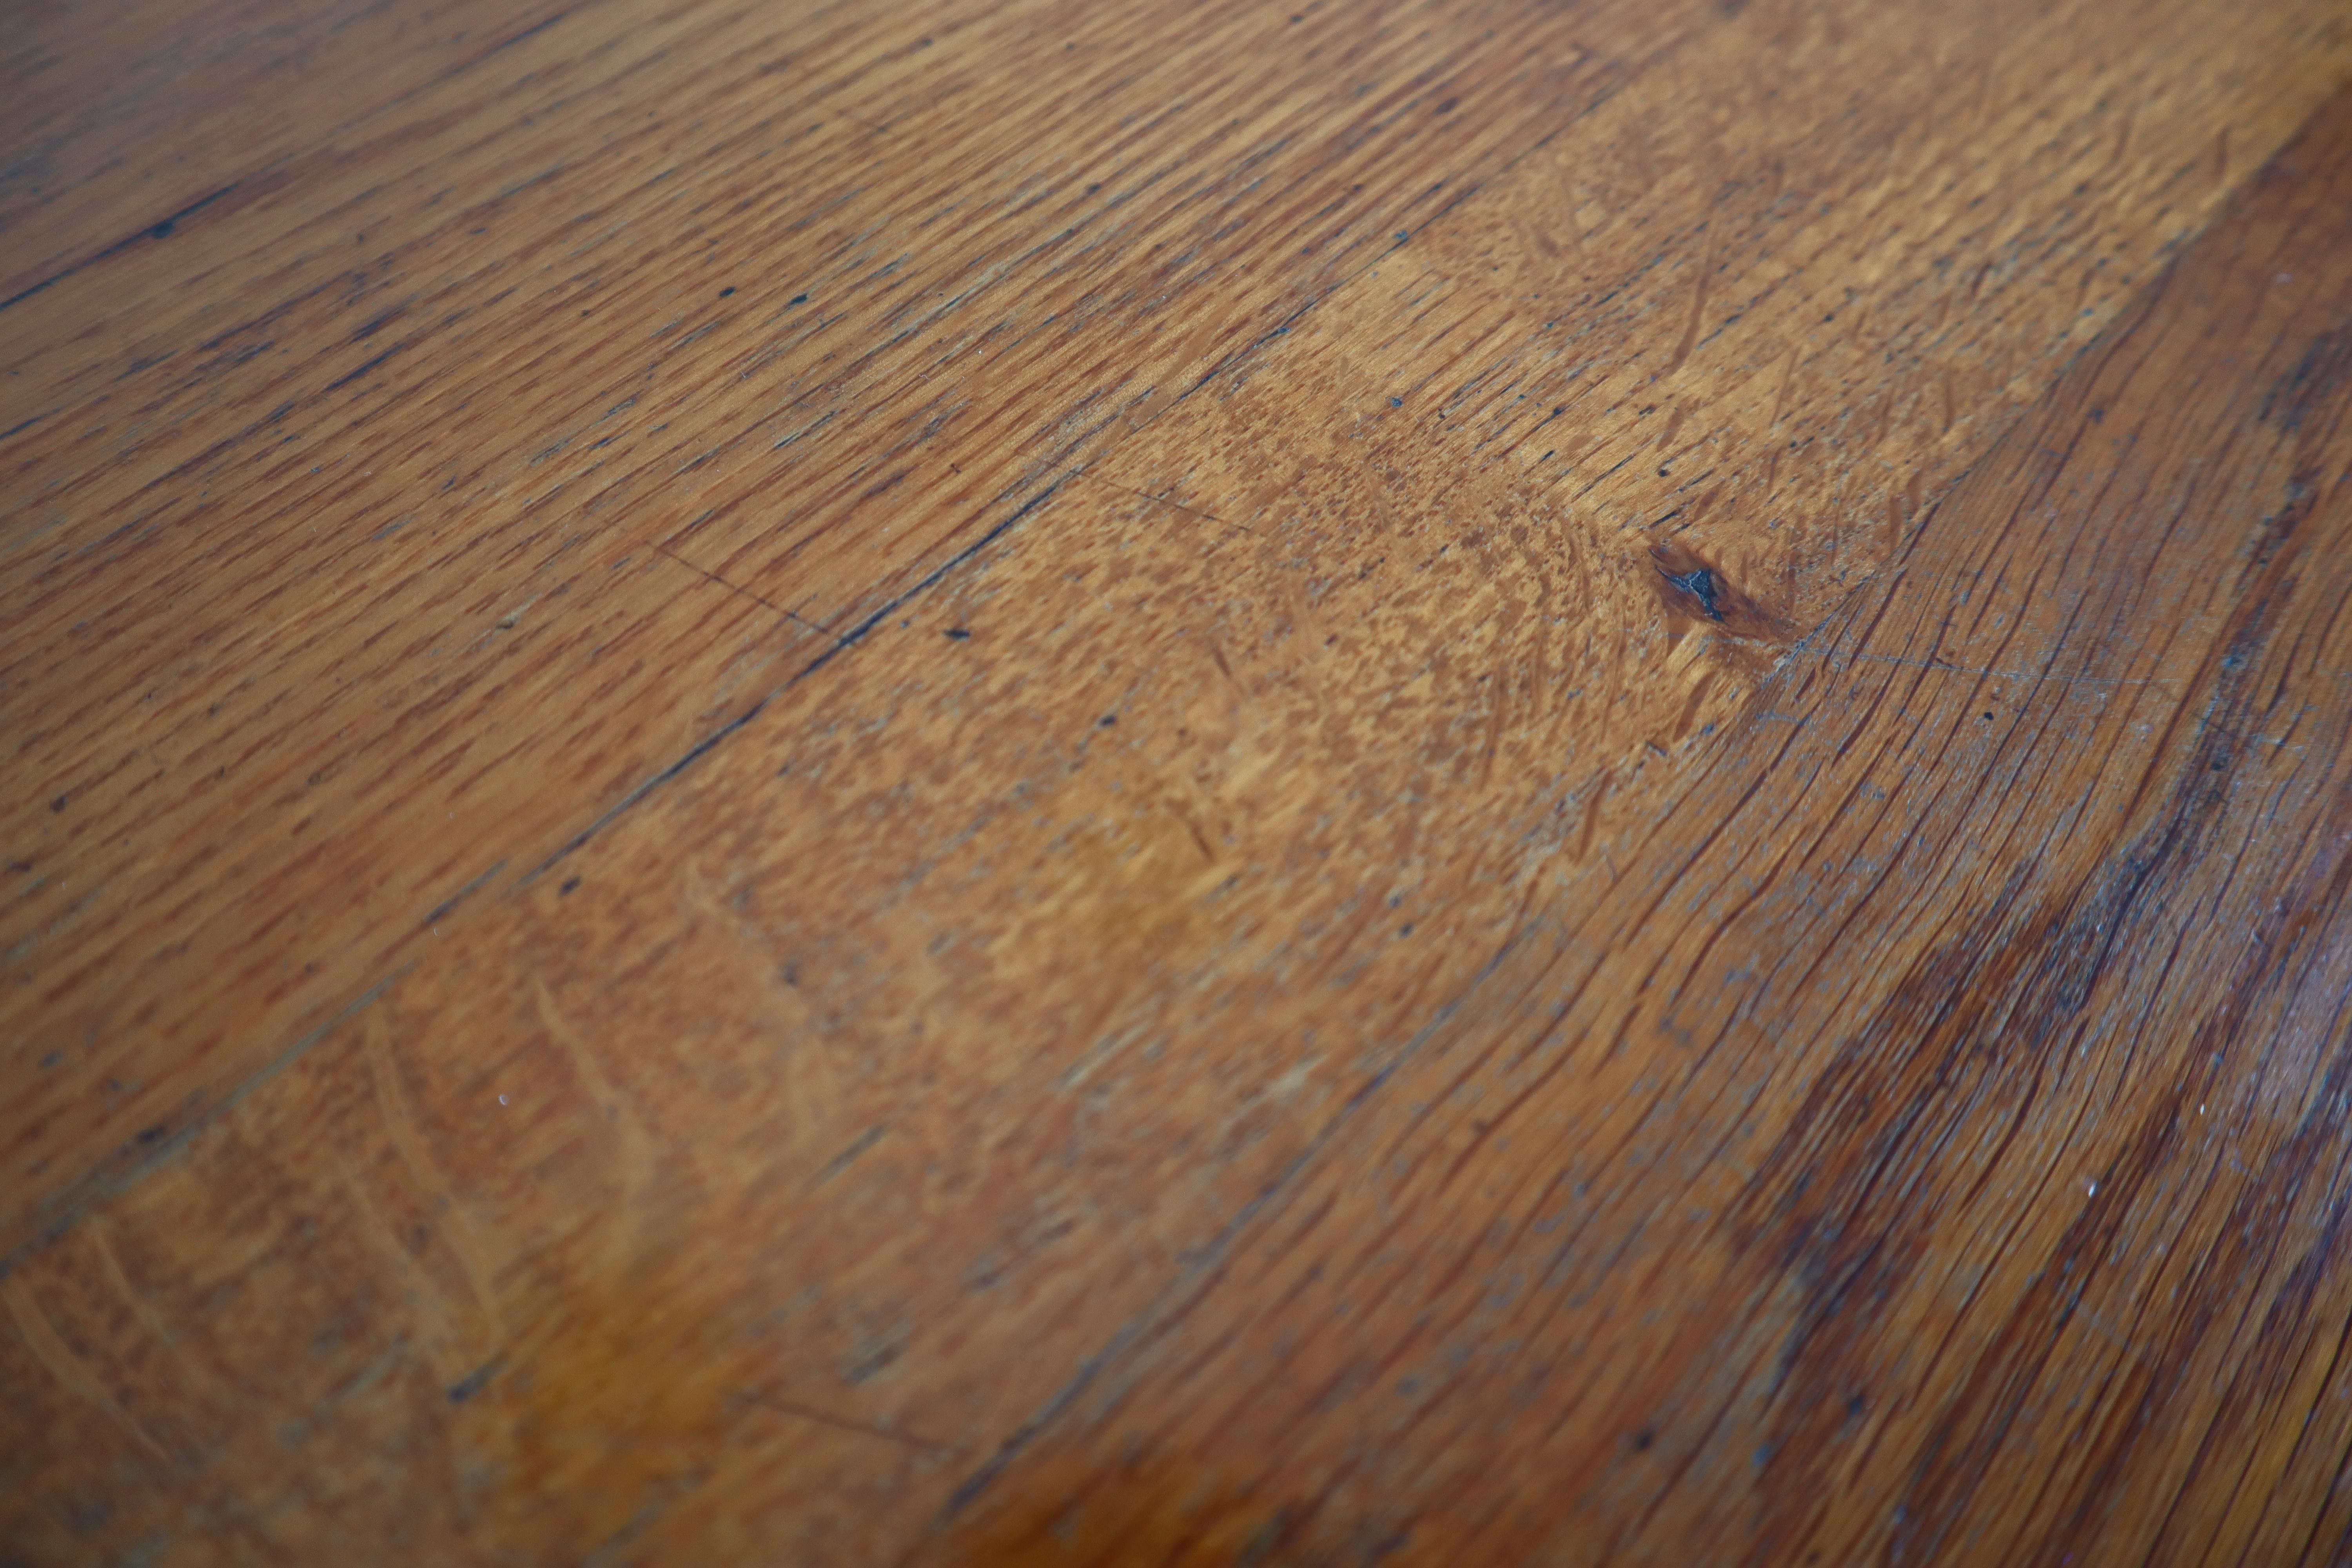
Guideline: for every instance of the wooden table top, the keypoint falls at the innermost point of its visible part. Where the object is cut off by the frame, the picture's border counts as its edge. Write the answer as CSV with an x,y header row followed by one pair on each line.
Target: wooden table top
x,y
1006,782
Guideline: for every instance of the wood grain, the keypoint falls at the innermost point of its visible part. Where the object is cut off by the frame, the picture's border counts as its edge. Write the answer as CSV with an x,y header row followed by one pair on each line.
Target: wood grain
x,y
1458,783
1717,1231
442,267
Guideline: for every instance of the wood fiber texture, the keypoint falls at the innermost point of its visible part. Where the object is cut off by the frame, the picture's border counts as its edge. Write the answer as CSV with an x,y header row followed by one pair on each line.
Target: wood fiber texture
x,y
985,784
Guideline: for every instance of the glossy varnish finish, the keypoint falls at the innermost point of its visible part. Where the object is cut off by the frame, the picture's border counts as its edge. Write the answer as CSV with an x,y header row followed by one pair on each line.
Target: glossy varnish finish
x,y
992,783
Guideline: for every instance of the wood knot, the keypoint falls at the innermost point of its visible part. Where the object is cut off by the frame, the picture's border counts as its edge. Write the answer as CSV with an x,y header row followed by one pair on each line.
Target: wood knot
x,y
1692,586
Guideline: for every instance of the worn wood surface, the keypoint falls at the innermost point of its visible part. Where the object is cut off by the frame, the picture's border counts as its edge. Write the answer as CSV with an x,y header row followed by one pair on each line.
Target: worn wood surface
x,y
993,783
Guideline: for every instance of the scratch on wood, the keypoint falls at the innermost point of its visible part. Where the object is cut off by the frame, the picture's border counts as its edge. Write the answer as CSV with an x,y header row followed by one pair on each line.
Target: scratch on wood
x,y
41,1337
133,1161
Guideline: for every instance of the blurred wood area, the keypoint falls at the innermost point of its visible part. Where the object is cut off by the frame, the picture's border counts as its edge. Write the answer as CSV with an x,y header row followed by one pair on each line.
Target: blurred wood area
x,y
998,782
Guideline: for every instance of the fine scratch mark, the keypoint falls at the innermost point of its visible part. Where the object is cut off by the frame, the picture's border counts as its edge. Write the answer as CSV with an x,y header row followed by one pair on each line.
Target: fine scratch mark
x,y
635,1159
2039,677
844,1424
131,1163
474,1382
1781,398
1204,1266
2119,1340
143,1307
857,1145
840,645
1698,309
1163,501
443,910
49,1348
664,551
400,1126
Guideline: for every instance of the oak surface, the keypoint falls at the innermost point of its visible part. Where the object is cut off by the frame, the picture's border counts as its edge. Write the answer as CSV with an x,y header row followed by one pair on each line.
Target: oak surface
x,y
996,782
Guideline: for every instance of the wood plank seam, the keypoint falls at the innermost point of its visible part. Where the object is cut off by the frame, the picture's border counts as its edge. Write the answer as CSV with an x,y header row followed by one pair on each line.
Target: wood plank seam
x,y
1203,1275
141,1156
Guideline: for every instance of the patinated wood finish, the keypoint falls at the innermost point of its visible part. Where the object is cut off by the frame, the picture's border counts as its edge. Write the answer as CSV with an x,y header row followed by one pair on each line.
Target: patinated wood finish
x,y
996,783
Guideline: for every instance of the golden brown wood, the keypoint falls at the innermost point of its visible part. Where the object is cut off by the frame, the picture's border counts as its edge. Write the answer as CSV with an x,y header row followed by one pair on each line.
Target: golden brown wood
x,y
1112,892
511,373
1932,1147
